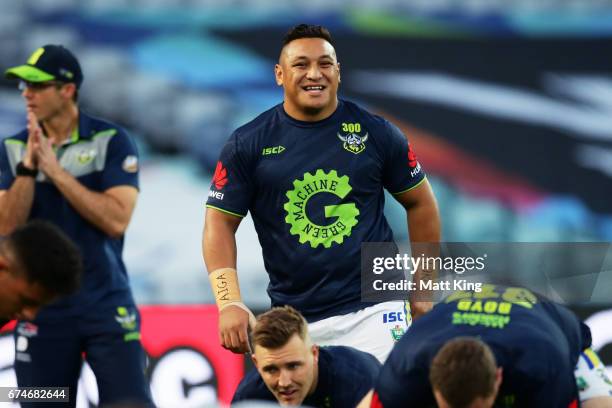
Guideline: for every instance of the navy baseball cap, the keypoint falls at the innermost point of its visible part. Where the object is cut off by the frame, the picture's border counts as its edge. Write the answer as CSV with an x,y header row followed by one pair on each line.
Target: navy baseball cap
x,y
49,63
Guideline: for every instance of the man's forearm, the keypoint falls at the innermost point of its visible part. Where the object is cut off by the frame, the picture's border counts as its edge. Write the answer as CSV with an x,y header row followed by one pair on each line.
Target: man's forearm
x,y
219,251
101,210
424,229
16,204
424,223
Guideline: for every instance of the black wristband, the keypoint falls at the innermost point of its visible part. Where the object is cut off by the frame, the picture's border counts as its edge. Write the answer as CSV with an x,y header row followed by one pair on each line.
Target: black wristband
x,y
22,170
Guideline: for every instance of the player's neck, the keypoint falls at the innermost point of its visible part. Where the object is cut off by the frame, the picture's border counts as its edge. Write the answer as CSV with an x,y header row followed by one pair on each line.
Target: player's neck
x,y
59,128
310,116
315,379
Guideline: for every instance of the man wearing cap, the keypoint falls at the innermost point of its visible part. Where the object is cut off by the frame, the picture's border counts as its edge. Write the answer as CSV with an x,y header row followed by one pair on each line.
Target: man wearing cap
x,y
80,173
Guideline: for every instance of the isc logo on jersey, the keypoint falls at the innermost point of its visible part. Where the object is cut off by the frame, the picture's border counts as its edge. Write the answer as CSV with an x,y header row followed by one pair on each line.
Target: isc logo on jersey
x,y
272,150
219,181
393,317
398,329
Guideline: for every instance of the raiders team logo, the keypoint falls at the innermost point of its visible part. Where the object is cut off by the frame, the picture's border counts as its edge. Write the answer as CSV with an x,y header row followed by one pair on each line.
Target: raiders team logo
x,y
86,156
353,142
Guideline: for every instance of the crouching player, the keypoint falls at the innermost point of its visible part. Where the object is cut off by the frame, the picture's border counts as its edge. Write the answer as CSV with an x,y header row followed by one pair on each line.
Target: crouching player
x,y
502,347
294,371
38,264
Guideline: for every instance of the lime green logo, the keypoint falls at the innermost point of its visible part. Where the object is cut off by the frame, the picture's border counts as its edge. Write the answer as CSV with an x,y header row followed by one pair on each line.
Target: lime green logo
x,y
86,156
272,150
345,214
126,319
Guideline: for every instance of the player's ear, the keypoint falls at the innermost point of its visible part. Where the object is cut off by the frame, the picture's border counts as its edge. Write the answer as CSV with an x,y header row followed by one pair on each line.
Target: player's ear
x,y
254,360
315,353
498,377
278,74
68,90
339,77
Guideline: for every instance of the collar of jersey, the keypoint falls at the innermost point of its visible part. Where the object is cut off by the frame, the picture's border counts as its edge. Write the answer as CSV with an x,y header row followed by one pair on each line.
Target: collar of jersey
x,y
74,136
82,132
304,124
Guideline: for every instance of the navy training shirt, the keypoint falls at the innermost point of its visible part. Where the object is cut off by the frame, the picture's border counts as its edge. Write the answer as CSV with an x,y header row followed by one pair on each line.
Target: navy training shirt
x,y
346,375
315,193
537,343
100,155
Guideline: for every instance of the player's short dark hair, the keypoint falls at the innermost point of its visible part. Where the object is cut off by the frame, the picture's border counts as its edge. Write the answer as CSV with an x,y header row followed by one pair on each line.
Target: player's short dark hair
x,y
277,326
307,31
46,256
463,370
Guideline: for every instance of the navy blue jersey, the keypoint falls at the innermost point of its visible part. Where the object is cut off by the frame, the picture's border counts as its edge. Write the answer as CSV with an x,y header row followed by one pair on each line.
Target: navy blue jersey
x,y
315,192
346,375
100,155
535,341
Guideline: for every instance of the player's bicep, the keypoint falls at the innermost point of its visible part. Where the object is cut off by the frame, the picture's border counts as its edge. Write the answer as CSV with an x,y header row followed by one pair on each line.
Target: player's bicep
x,y
219,240
420,194
402,170
218,220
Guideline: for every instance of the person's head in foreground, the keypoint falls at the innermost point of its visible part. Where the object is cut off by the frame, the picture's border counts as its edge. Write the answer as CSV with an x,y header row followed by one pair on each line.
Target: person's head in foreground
x,y
464,374
285,356
38,264
309,73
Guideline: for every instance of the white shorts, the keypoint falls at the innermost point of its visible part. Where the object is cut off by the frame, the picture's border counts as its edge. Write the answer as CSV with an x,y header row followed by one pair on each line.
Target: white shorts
x,y
591,377
374,329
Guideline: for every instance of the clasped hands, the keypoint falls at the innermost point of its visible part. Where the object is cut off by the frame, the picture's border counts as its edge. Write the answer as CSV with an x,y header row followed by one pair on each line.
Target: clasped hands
x,y
39,149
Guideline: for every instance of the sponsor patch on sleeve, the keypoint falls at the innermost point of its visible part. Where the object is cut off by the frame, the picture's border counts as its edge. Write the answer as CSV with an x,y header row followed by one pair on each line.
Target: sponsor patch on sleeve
x,y
130,164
